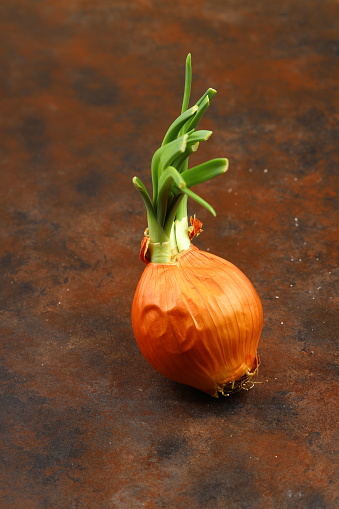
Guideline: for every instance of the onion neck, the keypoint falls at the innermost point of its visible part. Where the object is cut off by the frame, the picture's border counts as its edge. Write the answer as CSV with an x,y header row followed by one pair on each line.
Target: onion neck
x,y
164,248
162,252
166,252
181,234
181,226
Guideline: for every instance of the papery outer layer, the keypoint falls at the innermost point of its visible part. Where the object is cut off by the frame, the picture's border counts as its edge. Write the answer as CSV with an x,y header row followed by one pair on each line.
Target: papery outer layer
x,y
197,321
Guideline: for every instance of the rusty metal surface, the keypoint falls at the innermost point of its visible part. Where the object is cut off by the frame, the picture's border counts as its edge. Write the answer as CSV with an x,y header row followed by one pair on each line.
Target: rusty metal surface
x,y
86,91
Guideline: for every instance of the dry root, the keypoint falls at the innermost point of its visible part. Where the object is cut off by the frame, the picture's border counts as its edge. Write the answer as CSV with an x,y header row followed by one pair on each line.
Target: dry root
x,y
245,383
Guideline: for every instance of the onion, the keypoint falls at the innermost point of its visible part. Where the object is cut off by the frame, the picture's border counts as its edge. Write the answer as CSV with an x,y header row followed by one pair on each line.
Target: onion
x,y
196,317
198,320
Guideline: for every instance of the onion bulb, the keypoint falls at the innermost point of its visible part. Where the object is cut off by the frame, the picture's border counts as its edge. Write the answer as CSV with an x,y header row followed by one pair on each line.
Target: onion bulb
x,y
196,317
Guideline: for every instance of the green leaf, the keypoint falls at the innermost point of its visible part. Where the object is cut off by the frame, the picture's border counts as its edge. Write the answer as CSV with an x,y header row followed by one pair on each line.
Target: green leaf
x,y
210,93
173,179
205,171
171,173
197,136
178,163
181,162
199,200
171,152
188,83
163,158
155,229
144,193
169,177
176,201
174,129
171,211
192,124
203,104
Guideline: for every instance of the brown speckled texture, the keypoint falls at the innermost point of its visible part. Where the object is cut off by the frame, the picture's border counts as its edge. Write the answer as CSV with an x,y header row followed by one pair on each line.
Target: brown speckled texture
x,y
87,90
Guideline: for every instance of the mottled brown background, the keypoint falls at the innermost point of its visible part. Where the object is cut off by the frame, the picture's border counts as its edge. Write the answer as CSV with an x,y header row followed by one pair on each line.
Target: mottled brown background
x,y
87,90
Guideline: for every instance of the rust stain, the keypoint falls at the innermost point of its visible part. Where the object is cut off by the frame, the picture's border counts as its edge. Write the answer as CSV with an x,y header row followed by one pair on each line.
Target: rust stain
x,y
87,91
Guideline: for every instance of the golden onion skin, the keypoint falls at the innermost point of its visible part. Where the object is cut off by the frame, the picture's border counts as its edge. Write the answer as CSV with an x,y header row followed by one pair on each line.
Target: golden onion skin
x,y
198,321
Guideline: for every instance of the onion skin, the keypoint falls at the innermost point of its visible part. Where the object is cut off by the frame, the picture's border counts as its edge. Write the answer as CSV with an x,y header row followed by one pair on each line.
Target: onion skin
x,y
198,321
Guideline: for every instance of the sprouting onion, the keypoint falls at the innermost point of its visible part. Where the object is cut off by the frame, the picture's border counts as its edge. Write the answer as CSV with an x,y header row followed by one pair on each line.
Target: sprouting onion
x,y
196,317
